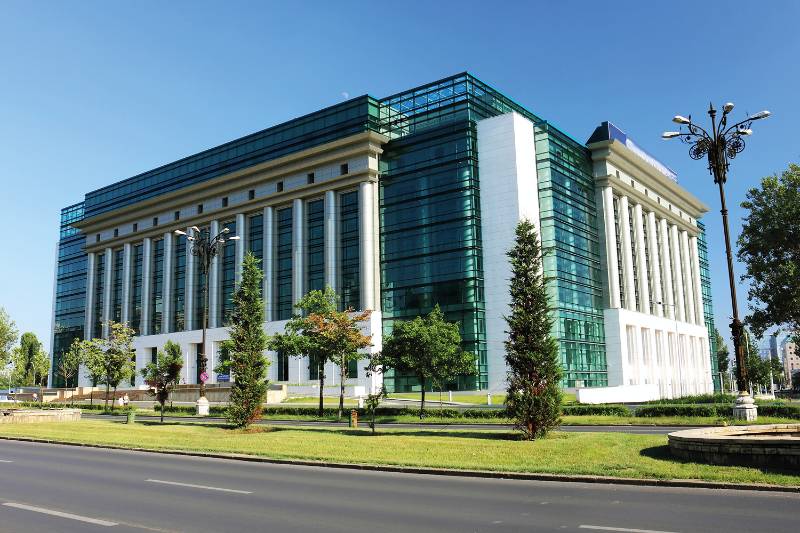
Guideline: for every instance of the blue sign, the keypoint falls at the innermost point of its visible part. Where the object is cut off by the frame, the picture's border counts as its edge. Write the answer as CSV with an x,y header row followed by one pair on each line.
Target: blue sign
x,y
223,378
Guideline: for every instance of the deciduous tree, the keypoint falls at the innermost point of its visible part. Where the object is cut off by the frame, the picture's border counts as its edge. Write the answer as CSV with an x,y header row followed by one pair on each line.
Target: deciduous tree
x,y
163,374
427,347
247,344
769,246
534,377
31,362
110,360
8,337
70,362
301,338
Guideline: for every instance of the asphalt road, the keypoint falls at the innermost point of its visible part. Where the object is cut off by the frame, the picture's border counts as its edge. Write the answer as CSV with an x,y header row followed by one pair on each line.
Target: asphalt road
x,y
52,488
642,430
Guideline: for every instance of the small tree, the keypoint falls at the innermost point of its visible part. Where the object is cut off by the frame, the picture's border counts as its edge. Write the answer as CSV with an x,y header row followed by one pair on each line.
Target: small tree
x,y
247,344
427,347
301,338
8,337
341,336
534,393
163,374
109,360
71,362
31,362
723,357
371,403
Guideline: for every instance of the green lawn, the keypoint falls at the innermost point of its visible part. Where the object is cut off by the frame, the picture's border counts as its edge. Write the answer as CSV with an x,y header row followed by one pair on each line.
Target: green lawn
x,y
328,401
607,454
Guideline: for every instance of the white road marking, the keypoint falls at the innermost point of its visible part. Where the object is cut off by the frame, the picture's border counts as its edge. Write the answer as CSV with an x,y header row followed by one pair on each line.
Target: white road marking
x,y
190,485
624,529
79,518
5,461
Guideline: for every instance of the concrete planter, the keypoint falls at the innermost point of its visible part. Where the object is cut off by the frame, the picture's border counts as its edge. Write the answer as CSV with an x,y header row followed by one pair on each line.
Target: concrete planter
x,y
31,416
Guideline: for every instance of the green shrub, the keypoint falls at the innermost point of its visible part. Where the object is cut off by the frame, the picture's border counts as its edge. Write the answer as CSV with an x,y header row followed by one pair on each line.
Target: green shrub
x,y
595,410
696,399
709,409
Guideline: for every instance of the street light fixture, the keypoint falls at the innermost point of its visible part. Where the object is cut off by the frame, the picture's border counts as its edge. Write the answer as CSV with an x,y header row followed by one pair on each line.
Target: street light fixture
x,y
719,147
205,248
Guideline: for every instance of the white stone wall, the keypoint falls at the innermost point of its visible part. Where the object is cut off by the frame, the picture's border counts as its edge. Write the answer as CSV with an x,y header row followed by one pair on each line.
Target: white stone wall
x,y
509,193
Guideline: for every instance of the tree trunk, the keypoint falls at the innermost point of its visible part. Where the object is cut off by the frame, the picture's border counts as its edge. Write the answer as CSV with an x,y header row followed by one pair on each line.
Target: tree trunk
x,y
114,399
107,387
321,411
162,412
422,403
342,379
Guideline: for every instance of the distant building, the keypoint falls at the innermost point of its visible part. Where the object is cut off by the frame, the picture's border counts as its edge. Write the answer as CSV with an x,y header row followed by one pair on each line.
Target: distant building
x,y
791,359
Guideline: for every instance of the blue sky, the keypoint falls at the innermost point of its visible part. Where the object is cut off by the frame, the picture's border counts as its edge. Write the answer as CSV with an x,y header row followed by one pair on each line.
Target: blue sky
x,y
92,92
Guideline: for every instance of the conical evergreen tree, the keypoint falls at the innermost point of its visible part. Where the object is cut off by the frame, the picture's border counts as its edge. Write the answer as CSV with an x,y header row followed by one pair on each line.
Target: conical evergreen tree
x,y
248,342
534,392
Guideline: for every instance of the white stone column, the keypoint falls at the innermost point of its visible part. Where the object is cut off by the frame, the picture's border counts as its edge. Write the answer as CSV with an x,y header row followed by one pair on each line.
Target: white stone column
x,y
269,263
694,253
109,258
213,281
688,282
366,231
641,260
655,271
298,250
126,283
627,254
147,263
612,261
188,284
166,297
677,274
666,270
331,238
91,269
241,231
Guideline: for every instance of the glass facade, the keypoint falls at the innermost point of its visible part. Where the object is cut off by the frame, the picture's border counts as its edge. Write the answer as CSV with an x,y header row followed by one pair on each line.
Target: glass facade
x,y
315,230
99,294
283,265
255,236
349,267
569,225
70,294
117,270
347,118
137,253
157,287
227,274
708,307
179,284
283,367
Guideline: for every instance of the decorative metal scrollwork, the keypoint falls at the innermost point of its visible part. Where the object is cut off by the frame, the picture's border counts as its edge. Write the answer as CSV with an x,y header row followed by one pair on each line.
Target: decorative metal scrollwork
x,y
734,145
700,148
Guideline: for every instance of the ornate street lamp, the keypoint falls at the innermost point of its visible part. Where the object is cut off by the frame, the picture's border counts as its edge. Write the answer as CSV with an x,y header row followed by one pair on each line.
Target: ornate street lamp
x,y
205,247
719,146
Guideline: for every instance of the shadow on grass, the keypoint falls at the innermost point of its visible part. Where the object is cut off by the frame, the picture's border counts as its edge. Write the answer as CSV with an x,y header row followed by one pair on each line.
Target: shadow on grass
x,y
156,423
366,432
663,453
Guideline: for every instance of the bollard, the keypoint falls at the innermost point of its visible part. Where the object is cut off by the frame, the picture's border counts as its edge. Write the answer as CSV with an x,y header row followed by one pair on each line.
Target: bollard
x,y
450,396
488,398
353,418
360,402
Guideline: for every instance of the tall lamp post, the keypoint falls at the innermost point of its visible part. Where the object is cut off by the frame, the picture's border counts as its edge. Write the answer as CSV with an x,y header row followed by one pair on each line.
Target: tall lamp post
x,y
719,146
205,247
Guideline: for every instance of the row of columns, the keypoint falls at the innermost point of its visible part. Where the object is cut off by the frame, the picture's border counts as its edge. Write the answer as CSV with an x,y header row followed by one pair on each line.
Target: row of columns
x,y
368,265
673,271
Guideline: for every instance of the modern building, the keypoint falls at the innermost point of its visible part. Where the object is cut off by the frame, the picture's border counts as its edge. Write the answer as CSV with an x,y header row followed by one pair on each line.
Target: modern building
x,y
791,359
399,204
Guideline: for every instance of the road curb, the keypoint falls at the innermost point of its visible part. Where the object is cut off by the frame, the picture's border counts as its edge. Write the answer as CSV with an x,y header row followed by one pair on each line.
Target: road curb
x,y
486,474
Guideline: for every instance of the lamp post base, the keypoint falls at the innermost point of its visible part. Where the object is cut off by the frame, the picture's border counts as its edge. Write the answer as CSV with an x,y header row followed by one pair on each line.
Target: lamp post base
x,y
202,406
745,408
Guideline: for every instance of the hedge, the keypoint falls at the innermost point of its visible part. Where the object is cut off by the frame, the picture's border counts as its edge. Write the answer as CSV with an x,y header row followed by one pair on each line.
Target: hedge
x,y
717,398
710,409
596,410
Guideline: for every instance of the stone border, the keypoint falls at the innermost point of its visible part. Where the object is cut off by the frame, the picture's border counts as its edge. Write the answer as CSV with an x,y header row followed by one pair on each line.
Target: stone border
x,y
487,474
740,445
30,416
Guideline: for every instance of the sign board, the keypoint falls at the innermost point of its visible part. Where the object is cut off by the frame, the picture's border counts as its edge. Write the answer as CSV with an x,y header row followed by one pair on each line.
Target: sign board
x,y
204,377
223,378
